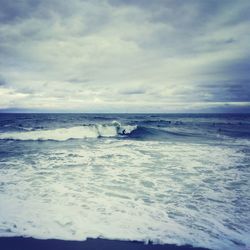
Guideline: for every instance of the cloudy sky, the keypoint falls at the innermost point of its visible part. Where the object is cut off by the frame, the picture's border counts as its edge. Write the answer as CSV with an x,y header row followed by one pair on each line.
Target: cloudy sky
x,y
125,55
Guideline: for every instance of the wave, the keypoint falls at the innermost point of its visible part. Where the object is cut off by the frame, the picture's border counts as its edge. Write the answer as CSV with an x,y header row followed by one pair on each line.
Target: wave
x,y
97,131
113,129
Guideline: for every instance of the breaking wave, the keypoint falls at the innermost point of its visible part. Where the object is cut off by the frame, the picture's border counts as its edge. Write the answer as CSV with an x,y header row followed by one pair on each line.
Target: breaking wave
x,y
78,132
114,129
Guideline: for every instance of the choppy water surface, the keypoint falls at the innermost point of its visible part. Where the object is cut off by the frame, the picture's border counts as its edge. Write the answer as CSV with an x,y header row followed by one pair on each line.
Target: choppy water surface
x,y
182,179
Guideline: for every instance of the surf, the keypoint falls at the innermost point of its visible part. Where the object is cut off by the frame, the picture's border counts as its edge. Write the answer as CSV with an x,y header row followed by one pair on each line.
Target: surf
x,y
113,129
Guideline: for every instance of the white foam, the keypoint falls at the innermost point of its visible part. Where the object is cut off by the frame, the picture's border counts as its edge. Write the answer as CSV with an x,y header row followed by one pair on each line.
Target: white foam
x,y
79,132
159,191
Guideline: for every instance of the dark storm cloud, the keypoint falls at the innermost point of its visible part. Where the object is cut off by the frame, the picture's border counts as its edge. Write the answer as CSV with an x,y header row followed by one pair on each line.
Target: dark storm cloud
x,y
239,67
237,90
13,11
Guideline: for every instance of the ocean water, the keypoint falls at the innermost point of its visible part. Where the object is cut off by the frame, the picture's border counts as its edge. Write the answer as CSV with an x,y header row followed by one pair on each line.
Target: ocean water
x,y
166,178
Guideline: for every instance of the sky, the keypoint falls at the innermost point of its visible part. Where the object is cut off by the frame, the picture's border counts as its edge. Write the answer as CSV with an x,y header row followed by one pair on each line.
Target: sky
x,y
125,56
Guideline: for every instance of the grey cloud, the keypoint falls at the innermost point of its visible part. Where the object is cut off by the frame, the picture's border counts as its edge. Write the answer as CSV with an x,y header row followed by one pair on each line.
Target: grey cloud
x,y
79,80
133,92
226,91
236,69
14,11
147,53
2,81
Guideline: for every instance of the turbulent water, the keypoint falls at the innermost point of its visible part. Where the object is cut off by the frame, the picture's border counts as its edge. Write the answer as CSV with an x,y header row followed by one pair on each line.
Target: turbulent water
x,y
182,179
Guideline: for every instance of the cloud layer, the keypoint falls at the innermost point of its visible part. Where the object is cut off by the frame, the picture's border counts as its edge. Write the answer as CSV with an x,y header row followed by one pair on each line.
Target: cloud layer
x,y
125,56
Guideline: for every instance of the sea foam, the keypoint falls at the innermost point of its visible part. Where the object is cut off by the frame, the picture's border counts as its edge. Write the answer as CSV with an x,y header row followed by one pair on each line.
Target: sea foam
x,y
77,132
124,189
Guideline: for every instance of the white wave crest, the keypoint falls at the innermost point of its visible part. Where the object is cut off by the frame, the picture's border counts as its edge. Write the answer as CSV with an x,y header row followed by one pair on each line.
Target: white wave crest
x,y
78,132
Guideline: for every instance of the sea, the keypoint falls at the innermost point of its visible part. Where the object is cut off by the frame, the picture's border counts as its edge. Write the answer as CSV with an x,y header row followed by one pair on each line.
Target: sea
x,y
159,178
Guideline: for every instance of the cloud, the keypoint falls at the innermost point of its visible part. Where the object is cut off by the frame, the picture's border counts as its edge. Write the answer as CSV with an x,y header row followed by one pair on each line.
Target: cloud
x,y
124,56
2,81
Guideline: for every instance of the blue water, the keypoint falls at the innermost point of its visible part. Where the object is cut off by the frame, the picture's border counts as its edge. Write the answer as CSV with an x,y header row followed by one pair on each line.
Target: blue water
x,y
168,178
